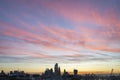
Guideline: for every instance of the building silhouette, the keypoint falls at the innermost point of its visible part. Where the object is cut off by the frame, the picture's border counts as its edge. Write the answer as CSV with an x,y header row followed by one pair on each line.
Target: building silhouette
x,y
50,74
75,72
57,71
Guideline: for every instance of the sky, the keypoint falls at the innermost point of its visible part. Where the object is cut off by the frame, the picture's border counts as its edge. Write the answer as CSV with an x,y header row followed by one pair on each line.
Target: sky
x,y
76,34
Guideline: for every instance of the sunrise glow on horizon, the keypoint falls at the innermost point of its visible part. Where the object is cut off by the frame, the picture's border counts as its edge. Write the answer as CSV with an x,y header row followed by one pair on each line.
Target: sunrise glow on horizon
x,y
76,34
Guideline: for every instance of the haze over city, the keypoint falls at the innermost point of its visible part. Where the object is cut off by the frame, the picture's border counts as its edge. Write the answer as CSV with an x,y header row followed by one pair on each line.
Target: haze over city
x,y
77,34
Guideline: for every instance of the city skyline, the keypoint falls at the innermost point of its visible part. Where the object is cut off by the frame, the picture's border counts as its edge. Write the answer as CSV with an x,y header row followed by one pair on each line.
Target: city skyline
x,y
81,34
55,74
63,70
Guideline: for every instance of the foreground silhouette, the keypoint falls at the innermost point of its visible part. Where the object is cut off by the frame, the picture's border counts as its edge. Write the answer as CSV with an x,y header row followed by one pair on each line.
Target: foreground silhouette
x,y
49,74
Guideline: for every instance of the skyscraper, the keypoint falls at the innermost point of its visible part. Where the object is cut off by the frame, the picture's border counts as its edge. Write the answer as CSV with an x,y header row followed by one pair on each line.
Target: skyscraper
x,y
75,71
57,71
56,68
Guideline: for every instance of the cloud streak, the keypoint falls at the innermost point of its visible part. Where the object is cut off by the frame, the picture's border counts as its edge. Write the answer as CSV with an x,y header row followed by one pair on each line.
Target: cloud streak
x,y
105,23
34,34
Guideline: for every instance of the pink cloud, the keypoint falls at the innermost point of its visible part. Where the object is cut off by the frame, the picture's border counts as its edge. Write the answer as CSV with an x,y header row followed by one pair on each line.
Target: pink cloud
x,y
5,47
83,13
45,40
41,55
56,37
107,34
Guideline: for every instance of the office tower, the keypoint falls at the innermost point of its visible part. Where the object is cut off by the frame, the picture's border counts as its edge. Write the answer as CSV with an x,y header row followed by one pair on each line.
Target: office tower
x,y
75,71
